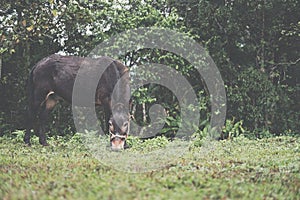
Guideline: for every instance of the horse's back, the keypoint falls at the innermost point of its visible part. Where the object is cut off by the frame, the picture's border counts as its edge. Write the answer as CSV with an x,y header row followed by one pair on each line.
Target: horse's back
x,y
57,73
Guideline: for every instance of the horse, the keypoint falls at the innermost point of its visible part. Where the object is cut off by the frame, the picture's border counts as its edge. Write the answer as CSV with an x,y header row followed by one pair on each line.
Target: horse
x,y
53,78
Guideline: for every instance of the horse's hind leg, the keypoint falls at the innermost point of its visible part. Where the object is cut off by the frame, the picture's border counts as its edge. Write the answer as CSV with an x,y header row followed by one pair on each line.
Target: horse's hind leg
x,y
31,121
29,126
42,130
47,106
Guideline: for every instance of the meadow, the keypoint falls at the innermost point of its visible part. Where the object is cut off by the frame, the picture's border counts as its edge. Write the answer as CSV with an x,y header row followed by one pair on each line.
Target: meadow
x,y
238,168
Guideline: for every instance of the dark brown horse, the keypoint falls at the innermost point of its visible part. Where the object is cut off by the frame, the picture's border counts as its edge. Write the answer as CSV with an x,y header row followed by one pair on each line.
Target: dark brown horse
x,y
54,76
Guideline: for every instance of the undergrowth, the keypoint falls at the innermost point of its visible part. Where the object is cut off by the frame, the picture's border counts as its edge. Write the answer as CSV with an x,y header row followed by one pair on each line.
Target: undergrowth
x,y
236,168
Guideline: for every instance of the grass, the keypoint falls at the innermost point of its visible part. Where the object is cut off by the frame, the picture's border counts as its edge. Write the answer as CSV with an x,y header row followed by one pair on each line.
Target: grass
x,y
231,169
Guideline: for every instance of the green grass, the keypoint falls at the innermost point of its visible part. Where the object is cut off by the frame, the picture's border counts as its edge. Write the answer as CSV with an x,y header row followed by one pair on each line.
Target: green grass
x,y
234,169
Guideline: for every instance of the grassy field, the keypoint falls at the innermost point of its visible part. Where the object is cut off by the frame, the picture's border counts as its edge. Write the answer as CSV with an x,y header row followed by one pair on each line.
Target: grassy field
x,y
233,169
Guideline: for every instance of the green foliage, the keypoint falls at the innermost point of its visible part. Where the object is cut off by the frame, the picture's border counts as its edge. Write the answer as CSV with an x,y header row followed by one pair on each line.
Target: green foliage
x,y
239,34
4,127
200,137
256,101
258,98
233,129
254,45
229,169
141,95
61,123
135,144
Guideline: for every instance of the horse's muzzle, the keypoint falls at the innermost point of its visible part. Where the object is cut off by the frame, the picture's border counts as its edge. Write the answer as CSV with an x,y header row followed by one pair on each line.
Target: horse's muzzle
x,y
117,142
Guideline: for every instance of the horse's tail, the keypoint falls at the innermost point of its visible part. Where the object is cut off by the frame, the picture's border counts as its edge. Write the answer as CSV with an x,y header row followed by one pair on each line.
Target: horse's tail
x,y
30,90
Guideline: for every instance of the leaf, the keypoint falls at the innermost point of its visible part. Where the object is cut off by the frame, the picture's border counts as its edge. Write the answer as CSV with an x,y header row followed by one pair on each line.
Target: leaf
x,y
54,12
12,51
24,22
2,50
30,28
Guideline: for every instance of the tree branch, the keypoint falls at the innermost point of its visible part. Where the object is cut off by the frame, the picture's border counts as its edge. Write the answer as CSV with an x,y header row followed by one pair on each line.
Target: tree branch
x,y
285,63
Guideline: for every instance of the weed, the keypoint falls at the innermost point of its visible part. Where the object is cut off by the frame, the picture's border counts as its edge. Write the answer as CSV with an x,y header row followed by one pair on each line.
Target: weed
x,y
239,168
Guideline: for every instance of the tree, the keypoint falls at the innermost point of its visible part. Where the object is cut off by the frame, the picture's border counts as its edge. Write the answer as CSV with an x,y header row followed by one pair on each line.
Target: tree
x,y
257,37
254,44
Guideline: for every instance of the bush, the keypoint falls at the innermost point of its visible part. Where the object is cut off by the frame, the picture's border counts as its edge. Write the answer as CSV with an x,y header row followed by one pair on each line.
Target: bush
x,y
4,127
261,105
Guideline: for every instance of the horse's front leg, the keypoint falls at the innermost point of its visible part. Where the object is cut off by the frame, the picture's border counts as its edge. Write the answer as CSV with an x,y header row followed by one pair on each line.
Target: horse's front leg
x,y
107,115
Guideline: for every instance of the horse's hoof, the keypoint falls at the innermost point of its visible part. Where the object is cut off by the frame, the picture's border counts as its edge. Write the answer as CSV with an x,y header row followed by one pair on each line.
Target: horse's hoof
x,y
26,141
44,144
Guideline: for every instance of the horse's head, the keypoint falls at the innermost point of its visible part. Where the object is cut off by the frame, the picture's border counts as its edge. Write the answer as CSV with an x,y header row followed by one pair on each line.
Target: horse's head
x,y
118,127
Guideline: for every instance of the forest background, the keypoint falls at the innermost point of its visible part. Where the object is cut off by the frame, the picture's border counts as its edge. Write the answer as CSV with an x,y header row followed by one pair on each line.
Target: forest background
x,y
255,45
